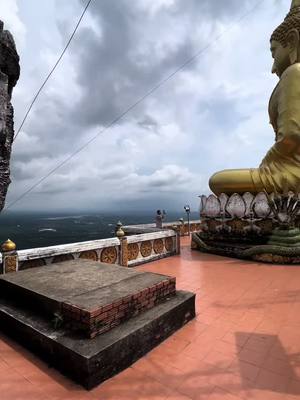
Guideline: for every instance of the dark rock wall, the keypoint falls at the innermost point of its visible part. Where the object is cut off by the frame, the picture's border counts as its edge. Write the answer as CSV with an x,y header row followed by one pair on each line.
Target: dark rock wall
x,y
9,75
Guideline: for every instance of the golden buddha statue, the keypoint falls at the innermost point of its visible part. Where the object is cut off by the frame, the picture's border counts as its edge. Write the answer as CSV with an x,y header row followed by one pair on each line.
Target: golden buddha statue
x,y
280,169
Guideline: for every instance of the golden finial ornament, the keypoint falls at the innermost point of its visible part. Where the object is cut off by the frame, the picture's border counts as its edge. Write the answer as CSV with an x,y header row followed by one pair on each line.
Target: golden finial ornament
x,y
8,245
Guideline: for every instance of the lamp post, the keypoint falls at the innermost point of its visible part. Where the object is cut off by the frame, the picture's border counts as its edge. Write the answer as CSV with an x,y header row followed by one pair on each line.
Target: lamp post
x,y
187,209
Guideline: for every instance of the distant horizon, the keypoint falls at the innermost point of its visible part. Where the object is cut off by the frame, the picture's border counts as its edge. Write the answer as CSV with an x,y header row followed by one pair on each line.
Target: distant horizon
x,y
202,120
42,229
94,211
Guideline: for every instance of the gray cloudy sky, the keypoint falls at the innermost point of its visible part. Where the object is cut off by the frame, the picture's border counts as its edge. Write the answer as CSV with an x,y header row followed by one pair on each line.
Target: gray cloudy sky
x,y
210,116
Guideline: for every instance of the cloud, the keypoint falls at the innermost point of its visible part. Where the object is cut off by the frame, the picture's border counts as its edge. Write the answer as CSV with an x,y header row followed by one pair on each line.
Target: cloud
x,y
13,21
209,116
140,45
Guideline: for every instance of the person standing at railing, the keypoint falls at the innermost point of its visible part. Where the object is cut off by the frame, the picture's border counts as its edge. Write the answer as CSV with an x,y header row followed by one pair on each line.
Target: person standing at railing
x,y
159,218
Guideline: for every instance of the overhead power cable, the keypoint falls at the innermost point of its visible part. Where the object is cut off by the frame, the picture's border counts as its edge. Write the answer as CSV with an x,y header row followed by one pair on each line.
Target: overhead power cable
x,y
135,104
52,70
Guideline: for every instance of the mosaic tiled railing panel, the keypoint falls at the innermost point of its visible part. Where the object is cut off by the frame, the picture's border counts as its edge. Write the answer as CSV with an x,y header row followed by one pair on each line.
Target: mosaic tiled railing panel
x,y
151,246
140,249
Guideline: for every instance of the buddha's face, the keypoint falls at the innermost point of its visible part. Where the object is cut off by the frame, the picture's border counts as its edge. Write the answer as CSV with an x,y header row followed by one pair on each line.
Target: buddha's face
x,y
281,56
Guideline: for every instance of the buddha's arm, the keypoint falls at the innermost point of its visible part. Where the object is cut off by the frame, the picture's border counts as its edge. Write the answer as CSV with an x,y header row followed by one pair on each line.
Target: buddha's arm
x,y
288,121
270,174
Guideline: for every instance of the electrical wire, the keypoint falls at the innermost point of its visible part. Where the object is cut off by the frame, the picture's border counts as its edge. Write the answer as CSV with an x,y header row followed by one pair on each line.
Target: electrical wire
x,y
52,70
140,100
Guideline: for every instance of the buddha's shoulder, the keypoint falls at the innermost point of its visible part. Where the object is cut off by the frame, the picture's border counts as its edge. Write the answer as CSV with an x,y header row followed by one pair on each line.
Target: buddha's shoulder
x,y
292,72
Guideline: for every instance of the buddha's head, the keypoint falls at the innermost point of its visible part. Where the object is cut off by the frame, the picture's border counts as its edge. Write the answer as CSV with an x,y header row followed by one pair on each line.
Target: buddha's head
x,y
285,40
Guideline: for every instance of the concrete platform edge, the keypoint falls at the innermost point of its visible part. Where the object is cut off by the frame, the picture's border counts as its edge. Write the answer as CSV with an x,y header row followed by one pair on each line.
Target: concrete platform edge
x,y
91,361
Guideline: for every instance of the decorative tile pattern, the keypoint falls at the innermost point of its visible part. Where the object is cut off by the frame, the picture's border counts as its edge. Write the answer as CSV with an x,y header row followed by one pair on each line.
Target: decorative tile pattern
x,y
109,255
146,248
89,255
158,246
169,244
62,257
10,263
37,262
133,251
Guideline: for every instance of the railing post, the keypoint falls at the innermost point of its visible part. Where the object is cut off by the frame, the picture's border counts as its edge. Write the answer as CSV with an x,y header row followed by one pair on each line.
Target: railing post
x,y
177,230
124,251
123,245
10,259
182,227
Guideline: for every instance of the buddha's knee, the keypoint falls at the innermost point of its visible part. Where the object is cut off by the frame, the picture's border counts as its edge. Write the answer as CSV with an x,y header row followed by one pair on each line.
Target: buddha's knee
x,y
231,181
216,182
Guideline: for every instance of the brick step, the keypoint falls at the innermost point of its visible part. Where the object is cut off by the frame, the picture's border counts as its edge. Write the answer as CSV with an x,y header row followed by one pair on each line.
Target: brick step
x,y
140,294
92,361
89,296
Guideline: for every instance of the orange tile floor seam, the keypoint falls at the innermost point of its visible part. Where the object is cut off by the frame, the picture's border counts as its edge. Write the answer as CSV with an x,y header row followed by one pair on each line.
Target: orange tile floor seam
x,y
243,344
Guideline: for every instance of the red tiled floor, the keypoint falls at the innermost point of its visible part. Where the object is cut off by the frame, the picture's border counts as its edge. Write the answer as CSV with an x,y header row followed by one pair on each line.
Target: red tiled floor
x,y
238,340
252,357
246,370
219,360
220,394
243,344
227,347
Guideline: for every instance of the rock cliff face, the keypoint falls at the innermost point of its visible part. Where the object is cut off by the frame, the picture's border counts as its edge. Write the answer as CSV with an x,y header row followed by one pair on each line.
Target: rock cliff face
x,y
9,75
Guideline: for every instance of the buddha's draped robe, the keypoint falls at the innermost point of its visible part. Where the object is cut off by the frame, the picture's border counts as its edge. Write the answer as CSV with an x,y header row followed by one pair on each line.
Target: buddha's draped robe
x,y
281,166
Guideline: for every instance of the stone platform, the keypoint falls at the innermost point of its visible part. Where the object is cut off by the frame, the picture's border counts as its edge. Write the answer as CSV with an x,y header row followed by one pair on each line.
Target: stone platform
x,y
88,296
59,310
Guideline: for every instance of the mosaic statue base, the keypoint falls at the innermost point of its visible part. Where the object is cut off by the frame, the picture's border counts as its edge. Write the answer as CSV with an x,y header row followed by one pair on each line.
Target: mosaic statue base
x,y
263,228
